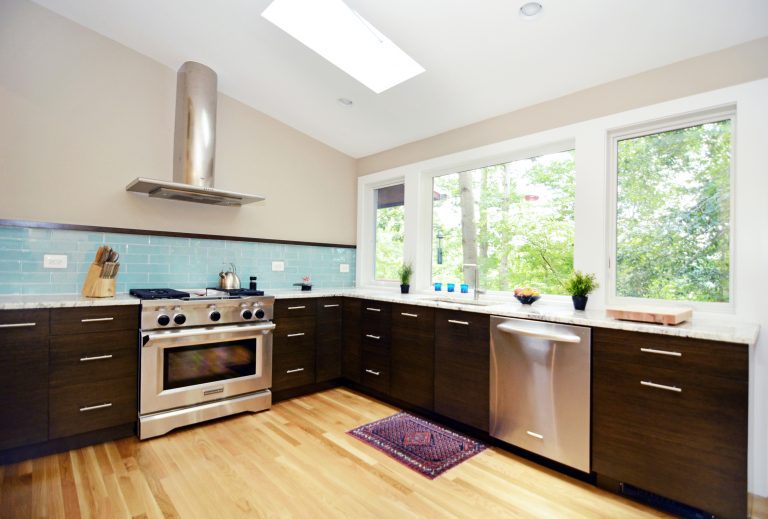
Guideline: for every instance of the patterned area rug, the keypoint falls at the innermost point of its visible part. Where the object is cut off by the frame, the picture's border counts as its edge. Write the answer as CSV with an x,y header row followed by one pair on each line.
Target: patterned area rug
x,y
417,443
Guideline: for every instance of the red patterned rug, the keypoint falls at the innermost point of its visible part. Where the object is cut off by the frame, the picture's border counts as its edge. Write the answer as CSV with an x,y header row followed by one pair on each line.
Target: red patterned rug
x,y
417,443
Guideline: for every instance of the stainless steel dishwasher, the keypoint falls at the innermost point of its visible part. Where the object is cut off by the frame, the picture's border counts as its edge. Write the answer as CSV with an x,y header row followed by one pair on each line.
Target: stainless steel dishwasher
x,y
540,380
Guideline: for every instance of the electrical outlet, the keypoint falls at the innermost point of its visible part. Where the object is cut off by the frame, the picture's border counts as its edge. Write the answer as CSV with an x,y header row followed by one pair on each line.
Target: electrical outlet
x,y
343,267
278,266
55,261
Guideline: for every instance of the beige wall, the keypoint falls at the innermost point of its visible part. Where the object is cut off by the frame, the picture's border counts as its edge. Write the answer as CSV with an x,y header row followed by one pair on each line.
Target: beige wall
x,y
728,67
81,116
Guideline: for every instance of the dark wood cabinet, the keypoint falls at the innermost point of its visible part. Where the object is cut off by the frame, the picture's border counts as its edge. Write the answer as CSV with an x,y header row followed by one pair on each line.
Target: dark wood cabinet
x,y
462,366
670,416
412,355
374,345
328,339
350,354
24,380
293,343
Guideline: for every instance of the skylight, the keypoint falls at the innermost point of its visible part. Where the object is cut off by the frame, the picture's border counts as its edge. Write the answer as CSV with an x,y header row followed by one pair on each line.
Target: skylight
x,y
346,39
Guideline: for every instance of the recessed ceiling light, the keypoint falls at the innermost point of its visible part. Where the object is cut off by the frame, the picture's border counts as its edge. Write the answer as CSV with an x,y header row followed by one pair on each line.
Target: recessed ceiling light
x,y
344,101
346,39
531,10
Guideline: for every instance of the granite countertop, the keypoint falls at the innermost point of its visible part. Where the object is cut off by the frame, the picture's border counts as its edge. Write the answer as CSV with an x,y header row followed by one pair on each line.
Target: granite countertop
x,y
709,327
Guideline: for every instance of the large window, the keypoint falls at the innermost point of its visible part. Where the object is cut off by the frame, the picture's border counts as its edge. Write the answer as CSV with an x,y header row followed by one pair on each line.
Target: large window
x,y
515,220
389,219
672,229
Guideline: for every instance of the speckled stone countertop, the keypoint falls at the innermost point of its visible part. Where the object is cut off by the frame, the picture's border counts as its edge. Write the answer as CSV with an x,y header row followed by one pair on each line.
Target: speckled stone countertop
x,y
709,327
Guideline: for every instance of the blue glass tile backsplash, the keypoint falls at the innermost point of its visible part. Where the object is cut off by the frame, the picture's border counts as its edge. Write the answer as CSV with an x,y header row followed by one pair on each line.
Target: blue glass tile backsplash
x,y
149,261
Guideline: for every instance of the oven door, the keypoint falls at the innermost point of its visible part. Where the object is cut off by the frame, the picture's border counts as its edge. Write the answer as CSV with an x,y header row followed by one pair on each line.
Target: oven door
x,y
191,366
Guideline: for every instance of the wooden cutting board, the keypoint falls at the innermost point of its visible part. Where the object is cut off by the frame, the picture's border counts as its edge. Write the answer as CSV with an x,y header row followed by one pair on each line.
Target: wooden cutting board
x,y
651,314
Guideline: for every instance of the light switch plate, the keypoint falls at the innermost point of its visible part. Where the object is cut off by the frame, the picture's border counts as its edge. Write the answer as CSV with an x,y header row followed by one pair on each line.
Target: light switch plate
x,y
343,267
55,261
278,266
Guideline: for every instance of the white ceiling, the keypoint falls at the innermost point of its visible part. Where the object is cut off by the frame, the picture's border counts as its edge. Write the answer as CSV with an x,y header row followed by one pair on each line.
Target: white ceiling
x,y
481,58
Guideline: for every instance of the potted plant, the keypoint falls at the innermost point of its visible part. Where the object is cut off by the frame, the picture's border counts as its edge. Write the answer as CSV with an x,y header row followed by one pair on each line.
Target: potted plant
x,y
305,284
405,273
580,285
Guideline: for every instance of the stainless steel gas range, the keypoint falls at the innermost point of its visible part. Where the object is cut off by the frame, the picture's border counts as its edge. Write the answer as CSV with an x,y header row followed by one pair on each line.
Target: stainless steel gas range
x,y
204,354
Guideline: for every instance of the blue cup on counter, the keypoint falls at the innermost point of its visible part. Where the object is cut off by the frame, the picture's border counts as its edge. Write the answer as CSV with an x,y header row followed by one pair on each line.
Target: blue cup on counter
x,y
451,287
464,288
438,287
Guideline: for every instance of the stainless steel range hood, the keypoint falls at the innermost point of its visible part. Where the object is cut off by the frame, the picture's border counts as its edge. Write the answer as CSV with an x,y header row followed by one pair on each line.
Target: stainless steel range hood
x,y
194,145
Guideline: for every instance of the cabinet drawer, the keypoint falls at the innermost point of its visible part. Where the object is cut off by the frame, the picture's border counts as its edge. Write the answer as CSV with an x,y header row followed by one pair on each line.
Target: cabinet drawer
x,y
329,309
419,320
94,319
294,329
374,372
682,354
375,315
80,408
93,357
456,324
293,369
294,308
23,324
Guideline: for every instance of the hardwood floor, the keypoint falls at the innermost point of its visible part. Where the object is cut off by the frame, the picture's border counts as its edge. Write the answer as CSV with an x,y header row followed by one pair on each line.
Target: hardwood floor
x,y
292,461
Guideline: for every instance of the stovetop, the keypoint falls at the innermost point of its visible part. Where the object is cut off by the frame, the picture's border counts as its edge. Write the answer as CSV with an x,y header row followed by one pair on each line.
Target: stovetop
x,y
206,293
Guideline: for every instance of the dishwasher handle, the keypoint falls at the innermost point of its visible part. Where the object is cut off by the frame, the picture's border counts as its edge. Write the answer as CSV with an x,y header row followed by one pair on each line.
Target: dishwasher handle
x,y
508,327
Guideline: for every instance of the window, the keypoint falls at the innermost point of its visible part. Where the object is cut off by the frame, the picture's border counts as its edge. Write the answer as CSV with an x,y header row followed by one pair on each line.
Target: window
x,y
389,219
514,220
672,229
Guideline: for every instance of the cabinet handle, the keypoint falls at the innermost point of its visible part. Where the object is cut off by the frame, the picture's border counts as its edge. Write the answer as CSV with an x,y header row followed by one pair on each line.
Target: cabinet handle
x,y
97,319
296,307
330,306
377,337
661,352
97,357
661,386
377,373
18,325
409,315
94,407
295,334
463,323
535,435
374,309
295,370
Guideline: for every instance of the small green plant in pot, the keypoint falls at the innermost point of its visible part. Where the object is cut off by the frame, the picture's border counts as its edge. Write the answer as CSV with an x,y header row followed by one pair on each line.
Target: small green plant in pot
x,y
405,273
580,285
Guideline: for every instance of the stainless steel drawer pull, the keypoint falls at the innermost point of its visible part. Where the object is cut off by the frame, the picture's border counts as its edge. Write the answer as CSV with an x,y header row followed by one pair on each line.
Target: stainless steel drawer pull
x,y
97,319
463,323
661,386
535,435
94,407
295,370
409,315
374,309
296,307
377,337
295,334
661,352
97,357
377,373
18,325
330,306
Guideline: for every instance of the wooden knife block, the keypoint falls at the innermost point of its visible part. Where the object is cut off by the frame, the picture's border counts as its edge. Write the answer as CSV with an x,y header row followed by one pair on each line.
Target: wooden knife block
x,y
95,285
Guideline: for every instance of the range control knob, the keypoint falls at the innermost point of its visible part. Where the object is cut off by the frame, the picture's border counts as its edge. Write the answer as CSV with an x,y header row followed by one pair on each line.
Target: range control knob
x,y
215,315
259,314
163,320
246,314
179,319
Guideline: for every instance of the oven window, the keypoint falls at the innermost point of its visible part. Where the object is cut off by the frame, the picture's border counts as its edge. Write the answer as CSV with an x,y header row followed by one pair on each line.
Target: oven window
x,y
190,365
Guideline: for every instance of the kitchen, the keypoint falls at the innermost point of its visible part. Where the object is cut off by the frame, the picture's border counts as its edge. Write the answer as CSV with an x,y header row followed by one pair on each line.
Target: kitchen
x,y
87,96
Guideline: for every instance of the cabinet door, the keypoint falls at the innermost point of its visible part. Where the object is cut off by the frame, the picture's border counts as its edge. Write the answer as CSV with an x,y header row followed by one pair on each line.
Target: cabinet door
x,y
350,358
328,340
24,380
462,366
412,355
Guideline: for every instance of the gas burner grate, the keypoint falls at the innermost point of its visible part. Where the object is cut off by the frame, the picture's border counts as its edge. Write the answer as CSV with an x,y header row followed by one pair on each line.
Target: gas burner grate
x,y
157,293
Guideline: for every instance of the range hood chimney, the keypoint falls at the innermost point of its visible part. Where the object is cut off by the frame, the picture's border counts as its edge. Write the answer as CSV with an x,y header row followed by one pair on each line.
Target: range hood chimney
x,y
194,145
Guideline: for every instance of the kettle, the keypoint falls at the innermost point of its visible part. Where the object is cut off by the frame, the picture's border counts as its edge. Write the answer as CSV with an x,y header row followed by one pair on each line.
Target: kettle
x,y
229,280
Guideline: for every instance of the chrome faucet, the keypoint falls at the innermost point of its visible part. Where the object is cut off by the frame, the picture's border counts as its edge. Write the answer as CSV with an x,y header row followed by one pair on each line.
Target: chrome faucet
x,y
476,285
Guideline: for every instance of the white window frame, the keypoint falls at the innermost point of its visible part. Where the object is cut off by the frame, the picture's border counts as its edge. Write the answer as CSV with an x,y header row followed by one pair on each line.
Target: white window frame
x,y
698,117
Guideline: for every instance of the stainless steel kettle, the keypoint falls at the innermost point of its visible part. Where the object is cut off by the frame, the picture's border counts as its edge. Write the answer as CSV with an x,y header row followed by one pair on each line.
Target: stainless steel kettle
x,y
229,280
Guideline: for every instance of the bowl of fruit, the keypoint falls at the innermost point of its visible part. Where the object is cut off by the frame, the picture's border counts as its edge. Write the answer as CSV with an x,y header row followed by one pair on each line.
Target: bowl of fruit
x,y
527,295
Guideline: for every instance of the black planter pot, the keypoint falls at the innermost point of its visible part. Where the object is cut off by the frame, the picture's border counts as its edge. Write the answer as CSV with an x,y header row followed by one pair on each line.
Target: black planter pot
x,y
404,289
579,302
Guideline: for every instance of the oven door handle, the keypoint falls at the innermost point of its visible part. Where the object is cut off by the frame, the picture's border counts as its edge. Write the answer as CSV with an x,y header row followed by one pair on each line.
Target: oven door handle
x,y
204,335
